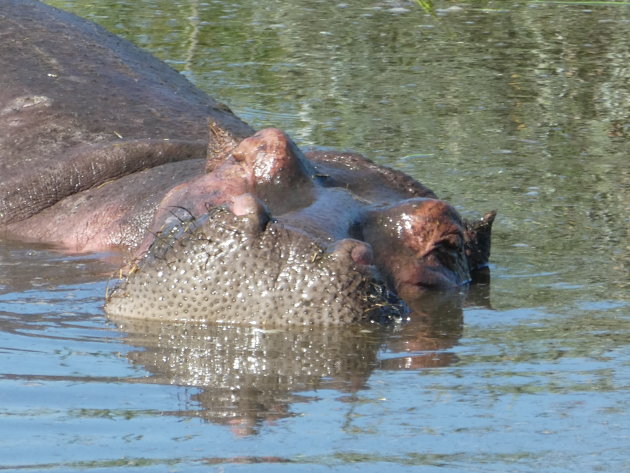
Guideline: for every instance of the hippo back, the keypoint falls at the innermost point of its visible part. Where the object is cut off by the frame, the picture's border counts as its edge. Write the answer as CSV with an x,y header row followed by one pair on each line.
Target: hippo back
x,y
80,106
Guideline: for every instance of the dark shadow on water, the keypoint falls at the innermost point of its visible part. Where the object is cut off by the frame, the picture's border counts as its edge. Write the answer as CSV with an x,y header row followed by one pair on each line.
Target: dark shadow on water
x,y
245,377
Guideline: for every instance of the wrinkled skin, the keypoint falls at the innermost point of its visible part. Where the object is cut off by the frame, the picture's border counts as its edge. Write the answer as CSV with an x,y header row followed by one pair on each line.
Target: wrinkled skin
x,y
81,108
256,233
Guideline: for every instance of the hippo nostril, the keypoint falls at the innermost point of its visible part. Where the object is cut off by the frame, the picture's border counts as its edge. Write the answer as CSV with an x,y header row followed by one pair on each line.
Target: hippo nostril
x,y
247,205
362,254
358,251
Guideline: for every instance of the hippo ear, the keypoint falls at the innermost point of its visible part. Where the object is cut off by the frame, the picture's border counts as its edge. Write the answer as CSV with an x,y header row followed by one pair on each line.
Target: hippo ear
x,y
477,235
220,143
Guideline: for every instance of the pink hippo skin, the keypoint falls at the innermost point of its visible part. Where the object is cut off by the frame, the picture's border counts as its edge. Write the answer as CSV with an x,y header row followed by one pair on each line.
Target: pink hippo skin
x,y
103,147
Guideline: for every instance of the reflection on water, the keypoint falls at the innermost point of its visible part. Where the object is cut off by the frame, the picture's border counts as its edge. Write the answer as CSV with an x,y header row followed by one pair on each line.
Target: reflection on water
x,y
517,106
247,375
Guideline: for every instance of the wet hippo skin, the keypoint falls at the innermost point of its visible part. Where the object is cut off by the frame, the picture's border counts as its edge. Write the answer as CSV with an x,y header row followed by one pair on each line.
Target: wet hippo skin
x,y
104,147
80,107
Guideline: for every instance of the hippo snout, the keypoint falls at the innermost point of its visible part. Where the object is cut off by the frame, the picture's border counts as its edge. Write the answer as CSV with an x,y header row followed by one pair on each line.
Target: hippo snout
x,y
219,269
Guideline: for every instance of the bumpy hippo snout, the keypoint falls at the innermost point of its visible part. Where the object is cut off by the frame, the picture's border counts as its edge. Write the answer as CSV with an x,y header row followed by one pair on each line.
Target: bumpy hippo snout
x,y
239,270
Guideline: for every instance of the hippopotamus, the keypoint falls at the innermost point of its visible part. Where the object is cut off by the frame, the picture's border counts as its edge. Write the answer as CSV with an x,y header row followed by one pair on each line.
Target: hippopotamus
x,y
104,148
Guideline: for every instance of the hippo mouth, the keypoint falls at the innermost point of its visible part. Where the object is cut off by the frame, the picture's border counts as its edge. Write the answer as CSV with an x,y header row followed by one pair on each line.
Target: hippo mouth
x,y
252,269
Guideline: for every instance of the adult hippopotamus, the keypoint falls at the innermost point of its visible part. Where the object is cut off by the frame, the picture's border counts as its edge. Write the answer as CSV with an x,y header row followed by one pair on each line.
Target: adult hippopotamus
x,y
102,146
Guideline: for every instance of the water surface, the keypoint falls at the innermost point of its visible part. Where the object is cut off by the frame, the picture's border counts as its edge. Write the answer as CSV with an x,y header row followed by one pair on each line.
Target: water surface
x,y
521,107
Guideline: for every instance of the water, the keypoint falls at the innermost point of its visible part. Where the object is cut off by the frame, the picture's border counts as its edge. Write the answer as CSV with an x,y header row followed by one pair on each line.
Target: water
x,y
521,107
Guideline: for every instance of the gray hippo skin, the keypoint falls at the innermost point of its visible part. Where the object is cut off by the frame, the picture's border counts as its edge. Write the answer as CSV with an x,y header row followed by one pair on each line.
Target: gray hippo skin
x,y
80,107
100,148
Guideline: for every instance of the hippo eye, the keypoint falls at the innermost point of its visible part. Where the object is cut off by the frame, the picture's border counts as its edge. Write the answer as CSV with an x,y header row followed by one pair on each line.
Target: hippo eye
x,y
450,242
448,248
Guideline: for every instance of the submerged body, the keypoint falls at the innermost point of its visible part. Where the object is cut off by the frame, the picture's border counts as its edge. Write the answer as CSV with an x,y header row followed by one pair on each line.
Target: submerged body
x,y
257,232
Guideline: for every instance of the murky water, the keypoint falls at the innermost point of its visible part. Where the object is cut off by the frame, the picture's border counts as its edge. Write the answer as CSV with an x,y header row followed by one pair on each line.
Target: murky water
x,y
522,107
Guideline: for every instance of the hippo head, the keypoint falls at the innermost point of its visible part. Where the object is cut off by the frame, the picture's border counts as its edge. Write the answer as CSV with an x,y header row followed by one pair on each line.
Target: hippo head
x,y
272,237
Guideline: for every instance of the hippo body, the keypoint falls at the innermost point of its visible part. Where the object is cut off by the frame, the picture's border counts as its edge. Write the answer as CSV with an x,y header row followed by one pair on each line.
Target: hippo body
x,y
80,107
104,147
